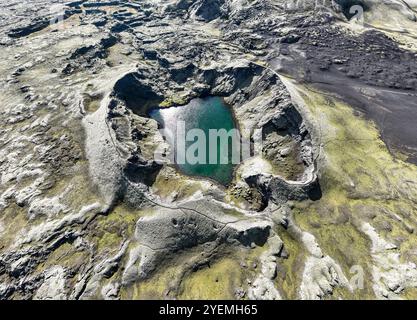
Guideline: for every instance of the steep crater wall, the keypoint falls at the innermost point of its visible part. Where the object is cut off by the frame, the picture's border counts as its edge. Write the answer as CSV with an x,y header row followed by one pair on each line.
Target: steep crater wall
x,y
259,99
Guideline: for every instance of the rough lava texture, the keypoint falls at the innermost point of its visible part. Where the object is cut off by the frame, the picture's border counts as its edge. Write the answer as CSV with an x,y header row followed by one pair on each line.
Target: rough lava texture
x,y
325,209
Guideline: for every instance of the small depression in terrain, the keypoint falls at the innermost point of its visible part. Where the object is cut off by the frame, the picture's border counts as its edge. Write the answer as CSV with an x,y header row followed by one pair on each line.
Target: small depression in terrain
x,y
204,114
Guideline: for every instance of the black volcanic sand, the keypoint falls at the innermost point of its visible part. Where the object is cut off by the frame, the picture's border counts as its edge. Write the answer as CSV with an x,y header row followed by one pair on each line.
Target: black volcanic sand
x,y
369,72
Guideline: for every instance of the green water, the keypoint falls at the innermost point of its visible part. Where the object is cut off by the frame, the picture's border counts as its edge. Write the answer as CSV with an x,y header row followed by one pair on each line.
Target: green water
x,y
205,114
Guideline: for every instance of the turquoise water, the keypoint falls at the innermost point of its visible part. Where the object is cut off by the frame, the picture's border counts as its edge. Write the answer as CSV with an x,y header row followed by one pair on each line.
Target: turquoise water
x,y
205,114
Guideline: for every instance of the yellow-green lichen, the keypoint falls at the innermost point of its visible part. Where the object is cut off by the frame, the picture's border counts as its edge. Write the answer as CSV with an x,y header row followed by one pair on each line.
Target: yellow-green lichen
x,y
361,181
290,269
